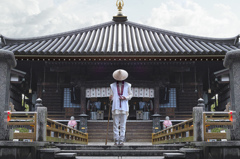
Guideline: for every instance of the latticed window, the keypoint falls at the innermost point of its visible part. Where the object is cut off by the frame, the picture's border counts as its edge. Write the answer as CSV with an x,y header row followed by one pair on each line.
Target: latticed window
x,y
67,100
172,99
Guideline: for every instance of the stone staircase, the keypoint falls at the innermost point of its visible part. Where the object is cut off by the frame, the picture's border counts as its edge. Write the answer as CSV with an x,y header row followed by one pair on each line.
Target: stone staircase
x,y
163,151
136,131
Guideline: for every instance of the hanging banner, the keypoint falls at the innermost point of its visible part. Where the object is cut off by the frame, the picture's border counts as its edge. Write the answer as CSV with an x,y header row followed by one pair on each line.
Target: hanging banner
x,y
101,92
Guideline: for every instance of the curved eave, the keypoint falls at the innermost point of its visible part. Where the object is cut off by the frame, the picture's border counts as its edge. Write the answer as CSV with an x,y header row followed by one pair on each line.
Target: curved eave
x,y
40,38
120,39
126,58
230,40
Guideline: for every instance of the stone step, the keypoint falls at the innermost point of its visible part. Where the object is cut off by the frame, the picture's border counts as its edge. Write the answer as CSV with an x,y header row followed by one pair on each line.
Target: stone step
x,y
127,146
110,128
148,152
65,155
128,140
120,157
135,131
148,129
173,155
137,135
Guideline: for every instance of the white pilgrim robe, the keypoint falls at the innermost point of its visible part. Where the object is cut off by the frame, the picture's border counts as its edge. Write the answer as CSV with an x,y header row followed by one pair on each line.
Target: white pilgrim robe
x,y
127,93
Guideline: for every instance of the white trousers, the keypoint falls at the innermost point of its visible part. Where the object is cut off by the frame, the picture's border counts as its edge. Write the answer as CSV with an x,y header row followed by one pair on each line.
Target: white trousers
x,y
119,120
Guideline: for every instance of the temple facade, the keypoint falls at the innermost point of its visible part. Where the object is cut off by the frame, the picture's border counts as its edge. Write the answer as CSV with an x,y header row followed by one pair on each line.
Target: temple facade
x,y
72,71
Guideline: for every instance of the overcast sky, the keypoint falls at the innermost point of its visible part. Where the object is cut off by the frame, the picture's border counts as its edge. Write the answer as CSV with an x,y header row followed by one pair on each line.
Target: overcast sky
x,y
31,18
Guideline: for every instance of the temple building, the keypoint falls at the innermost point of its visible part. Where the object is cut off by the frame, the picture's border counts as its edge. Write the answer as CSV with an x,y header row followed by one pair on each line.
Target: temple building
x,y
72,71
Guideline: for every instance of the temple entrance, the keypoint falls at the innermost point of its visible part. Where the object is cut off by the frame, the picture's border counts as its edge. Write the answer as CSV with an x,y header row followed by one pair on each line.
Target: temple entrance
x,y
139,108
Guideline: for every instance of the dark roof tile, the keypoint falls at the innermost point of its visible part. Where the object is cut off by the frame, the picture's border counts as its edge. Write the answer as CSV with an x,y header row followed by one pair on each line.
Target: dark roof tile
x,y
120,38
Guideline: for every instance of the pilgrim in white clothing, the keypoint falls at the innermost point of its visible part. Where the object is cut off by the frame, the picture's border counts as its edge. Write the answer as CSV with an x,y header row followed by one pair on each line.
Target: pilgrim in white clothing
x,y
120,94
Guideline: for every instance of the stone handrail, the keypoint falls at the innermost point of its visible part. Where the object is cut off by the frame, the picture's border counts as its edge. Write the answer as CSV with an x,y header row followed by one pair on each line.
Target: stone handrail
x,y
182,132
57,132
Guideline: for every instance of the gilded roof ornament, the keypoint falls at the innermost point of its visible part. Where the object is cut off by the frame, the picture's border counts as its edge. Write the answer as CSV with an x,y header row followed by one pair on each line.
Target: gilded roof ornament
x,y
119,4
120,17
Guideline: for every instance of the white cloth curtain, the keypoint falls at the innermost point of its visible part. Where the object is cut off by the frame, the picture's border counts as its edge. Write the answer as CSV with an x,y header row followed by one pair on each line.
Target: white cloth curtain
x,y
105,92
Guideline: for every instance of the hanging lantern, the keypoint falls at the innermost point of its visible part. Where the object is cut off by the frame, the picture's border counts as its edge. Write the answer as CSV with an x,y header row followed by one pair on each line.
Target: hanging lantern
x,y
209,90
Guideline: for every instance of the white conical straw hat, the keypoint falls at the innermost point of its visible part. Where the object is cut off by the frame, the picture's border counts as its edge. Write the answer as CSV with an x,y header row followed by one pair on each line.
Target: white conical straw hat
x,y
120,75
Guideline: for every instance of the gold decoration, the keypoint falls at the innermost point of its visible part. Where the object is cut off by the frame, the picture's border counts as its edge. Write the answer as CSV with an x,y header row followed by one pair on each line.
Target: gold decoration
x,y
119,4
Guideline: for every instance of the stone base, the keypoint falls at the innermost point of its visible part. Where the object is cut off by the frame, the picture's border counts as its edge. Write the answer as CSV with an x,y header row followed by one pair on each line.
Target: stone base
x,y
234,134
191,153
120,18
219,149
47,153
23,150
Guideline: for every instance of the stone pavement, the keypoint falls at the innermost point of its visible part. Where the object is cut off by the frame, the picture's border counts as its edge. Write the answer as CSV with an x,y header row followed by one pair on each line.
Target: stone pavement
x,y
126,143
123,157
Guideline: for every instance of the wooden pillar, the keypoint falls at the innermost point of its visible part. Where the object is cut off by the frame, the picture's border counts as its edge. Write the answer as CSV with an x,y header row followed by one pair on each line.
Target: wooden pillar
x,y
83,100
156,100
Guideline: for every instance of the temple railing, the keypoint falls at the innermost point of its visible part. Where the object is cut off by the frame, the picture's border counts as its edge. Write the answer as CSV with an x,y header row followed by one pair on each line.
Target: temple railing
x,y
57,132
182,132
215,125
23,126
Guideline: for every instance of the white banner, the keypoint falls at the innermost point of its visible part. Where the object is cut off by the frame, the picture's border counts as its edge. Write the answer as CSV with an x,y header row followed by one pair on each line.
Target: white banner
x,y
101,92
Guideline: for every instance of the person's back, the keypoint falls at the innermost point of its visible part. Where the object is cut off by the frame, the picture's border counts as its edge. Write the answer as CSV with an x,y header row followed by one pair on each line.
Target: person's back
x,y
120,95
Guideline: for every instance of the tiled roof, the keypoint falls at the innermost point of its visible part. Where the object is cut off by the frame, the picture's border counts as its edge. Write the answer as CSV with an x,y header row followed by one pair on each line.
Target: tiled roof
x,y
120,38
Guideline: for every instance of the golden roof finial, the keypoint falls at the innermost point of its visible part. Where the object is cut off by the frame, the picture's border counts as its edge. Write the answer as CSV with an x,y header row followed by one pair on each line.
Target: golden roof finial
x,y
120,17
119,4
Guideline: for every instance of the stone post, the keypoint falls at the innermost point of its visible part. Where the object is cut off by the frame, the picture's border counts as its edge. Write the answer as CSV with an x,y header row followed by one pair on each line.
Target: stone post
x,y
232,61
198,131
38,103
7,62
41,134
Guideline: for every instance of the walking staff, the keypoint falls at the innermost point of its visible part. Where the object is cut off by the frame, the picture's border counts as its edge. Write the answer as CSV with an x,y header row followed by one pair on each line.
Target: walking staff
x,y
120,95
110,103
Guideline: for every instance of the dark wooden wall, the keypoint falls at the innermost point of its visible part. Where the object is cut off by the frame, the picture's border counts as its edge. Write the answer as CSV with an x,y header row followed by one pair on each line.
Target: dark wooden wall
x,y
16,97
52,98
223,97
186,98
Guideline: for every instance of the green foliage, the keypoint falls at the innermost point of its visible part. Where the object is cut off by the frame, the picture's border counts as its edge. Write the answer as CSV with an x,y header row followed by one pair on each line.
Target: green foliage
x,y
217,130
21,130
